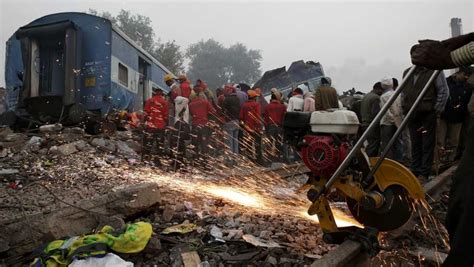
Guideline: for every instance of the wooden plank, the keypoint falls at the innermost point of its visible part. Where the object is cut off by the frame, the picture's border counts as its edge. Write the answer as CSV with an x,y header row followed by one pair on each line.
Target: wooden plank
x,y
191,259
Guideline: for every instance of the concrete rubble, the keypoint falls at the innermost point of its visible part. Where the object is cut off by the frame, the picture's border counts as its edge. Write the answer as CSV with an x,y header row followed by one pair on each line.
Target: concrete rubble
x,y
78,168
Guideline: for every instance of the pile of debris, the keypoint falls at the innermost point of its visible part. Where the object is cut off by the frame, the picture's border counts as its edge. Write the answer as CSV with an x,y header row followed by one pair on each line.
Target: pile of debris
x,y
59,181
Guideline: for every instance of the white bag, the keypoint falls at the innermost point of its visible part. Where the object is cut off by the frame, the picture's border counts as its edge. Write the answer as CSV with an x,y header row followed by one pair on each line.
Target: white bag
x,y
109,260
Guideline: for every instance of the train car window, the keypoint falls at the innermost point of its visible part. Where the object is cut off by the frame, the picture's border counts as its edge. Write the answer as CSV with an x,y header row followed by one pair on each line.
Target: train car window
x,y
123,75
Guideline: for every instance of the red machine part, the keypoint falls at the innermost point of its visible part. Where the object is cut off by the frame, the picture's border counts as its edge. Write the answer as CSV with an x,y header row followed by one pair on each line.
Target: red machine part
x,y
321,155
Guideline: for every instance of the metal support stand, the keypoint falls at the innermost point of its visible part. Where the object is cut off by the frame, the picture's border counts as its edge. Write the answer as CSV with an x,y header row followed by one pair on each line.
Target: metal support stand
x,y
403,124
364,136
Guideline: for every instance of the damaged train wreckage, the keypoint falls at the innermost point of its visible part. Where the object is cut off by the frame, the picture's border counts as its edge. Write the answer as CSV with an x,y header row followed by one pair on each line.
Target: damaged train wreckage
x,y
71,67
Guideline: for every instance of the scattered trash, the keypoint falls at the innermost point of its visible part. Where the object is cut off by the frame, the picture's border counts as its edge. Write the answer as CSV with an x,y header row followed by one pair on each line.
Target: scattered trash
x,y
132,239
216,232
49,128
183,228
15,185
109,260
259,242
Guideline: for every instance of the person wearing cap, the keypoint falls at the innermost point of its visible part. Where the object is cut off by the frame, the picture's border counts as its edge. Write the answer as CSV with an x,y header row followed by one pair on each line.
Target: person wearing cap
x,y
156,117
325,96
184,86
173,84
278,94
200,109
296,101
422,124
390,121
250,117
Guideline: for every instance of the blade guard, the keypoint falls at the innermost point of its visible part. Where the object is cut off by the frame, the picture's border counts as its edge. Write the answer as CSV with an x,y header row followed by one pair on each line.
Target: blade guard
x,y
393,173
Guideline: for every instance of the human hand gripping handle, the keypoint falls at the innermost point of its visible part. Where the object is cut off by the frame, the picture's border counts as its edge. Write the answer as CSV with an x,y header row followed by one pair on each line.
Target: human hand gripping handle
x,y
444,54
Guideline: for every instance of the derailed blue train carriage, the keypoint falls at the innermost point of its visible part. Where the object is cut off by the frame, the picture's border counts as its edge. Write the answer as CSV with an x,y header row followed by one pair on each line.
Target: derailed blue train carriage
x,y
72,65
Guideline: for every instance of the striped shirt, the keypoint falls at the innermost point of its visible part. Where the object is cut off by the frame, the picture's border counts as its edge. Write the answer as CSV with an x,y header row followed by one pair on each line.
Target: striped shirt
x,y
463,56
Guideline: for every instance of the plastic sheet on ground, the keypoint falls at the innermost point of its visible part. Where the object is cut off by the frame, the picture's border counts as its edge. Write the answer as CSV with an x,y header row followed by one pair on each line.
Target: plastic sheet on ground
x,y
109,260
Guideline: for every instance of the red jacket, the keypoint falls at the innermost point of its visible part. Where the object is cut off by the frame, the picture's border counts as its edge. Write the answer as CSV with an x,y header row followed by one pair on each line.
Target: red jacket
x,y
200,109
250,116
274,113
156,110
185,89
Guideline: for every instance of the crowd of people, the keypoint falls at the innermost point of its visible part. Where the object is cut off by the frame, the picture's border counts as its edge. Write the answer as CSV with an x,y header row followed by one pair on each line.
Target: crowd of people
x,y
233,122
236,121
433,137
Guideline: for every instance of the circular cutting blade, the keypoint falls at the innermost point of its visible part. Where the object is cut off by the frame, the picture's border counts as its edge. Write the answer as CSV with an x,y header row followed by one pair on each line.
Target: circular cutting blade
x,y
394,213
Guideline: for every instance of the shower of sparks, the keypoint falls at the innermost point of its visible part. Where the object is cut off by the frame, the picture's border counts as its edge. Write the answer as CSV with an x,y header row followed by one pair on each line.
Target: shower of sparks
x,y
264,194
235,196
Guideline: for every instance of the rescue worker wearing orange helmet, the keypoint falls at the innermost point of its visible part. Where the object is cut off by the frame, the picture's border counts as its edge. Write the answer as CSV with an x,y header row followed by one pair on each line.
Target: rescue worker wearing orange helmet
x,y
170,80
250,117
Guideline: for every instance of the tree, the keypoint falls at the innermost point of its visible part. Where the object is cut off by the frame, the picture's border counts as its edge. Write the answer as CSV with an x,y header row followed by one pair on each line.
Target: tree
x,y
140,30
170,55
218,65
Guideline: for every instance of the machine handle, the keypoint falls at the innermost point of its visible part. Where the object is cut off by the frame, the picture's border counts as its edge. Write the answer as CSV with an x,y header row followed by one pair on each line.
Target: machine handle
x,y
403,124
364,136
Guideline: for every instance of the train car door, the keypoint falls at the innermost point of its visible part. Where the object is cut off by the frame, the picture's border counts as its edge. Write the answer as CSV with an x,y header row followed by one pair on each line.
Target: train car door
x,y
143,84
52,55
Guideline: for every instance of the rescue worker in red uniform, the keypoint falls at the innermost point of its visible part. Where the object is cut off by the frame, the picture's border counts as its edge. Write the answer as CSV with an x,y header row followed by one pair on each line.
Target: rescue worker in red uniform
x,y
200,109
156,119
273,117
185,86
250,117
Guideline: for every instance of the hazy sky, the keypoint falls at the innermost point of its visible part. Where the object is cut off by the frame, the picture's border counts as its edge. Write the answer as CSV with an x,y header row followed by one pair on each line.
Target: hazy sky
x,y
357,42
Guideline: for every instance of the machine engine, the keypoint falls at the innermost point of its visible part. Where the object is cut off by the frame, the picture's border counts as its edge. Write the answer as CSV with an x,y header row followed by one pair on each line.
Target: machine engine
x,y
324,141
322,154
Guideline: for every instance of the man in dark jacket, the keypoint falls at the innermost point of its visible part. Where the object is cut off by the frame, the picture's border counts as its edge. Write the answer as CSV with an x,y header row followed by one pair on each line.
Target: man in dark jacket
x,y
422,123
273,118
326,96
454,114
369,107
231,110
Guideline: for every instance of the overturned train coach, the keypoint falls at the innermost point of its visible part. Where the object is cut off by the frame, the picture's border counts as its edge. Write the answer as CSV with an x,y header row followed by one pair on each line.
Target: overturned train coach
x,y
71,66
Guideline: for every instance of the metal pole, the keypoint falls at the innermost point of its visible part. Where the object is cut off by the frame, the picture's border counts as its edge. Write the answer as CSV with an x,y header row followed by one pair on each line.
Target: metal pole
x,y
403,124
364,136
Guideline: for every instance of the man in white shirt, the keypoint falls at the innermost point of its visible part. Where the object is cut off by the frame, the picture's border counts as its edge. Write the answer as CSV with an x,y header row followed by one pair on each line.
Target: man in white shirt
x,y
296,102
390,121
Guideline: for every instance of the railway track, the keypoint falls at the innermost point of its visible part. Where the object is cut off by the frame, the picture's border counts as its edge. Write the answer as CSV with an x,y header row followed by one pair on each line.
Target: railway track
x,y
350,253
